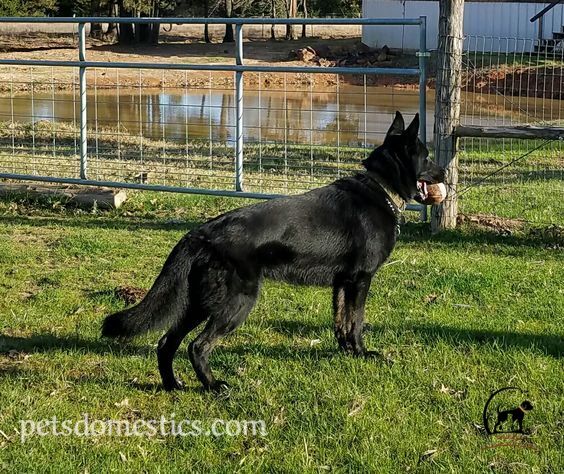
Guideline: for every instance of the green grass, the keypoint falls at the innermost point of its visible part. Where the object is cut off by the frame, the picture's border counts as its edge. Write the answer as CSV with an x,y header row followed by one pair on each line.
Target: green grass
x,y
456,315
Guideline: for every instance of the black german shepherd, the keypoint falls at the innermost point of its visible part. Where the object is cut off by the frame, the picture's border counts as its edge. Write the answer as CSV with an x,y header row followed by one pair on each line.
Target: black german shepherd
x,y
337,235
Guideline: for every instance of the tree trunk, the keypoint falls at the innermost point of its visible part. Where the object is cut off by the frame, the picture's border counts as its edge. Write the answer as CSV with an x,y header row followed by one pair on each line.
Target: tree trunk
x,y
147,33
111,30
207,38
112,27
142,33
228,38
126,34
447,108
291,12
154,28
95,30
273,27
155,31
304,7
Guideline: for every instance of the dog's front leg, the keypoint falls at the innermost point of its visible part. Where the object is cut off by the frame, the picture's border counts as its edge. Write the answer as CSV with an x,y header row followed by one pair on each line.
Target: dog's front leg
x,y
349,298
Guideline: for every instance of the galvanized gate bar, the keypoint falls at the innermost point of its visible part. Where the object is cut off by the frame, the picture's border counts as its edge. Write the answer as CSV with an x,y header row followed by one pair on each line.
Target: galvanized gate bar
x,y
218,21
158,187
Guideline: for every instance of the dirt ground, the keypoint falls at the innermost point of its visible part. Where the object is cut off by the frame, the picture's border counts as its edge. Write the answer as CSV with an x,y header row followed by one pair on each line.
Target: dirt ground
x,y
184,44
177,48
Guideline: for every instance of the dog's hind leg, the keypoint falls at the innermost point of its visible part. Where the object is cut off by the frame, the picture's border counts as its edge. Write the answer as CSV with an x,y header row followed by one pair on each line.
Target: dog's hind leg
x,y
168,345
349,298
226,316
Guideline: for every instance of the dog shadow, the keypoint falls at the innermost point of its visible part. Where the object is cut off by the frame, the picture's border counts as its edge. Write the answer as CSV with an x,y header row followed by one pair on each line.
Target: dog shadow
x,y
11,346
550,345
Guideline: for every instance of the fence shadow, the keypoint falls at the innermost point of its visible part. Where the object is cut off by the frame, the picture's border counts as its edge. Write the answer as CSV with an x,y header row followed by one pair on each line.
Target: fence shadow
x,y
485,238
551,345
108,223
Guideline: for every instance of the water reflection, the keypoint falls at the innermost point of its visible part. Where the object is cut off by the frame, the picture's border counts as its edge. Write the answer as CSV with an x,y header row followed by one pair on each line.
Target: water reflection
x,y
298,116
344,117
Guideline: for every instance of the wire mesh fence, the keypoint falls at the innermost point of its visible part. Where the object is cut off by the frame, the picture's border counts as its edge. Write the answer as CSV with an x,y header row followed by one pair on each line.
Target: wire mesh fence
x,y
510,82
299,133
177,127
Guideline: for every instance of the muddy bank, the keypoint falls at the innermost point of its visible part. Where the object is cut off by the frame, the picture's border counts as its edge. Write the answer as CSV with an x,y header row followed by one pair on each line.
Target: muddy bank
x,y
322,52
547,82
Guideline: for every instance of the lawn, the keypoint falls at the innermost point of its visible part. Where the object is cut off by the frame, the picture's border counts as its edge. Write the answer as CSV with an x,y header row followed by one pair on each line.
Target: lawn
x,y
455,316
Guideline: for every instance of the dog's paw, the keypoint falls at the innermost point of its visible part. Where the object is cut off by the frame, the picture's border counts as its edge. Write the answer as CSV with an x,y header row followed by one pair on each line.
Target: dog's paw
x,y
174,384
218,386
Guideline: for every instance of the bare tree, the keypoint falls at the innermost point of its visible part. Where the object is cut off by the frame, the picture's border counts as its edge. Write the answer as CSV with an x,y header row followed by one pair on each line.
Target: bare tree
x,y
207,38
291,12
228,37
111,30
126,34
273,27
142,33
304,9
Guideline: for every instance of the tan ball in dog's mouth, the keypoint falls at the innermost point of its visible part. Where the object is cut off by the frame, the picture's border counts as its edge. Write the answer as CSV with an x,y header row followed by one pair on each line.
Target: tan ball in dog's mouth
x,y
435,193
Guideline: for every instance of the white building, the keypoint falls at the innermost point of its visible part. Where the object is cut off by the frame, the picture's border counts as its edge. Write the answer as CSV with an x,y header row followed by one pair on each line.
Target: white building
x,y
485,23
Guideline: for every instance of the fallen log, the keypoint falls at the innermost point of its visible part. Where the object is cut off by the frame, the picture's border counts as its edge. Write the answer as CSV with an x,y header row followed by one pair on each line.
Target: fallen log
x,y
103,198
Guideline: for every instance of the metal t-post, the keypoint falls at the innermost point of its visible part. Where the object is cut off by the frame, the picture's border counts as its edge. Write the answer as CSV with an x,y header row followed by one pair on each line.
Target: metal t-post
x,y
239,108
83,116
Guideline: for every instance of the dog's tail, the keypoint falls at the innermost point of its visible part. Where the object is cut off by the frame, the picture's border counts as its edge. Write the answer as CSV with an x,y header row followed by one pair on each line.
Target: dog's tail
x,y
166,301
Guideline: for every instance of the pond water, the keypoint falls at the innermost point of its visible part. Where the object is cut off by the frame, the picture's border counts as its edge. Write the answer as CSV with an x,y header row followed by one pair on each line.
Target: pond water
x,y
329,117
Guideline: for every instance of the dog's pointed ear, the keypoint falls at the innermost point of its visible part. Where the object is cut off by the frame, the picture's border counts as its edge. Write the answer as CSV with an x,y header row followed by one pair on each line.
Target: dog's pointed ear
x,y
413,129
398,125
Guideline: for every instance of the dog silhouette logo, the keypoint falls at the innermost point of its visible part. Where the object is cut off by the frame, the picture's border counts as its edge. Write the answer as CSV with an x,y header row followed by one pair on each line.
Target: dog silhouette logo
x,y
505,418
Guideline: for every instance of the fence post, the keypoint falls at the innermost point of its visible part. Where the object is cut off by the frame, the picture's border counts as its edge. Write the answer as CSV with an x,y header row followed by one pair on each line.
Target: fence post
x,y
423,54
447,107
83,115
239,108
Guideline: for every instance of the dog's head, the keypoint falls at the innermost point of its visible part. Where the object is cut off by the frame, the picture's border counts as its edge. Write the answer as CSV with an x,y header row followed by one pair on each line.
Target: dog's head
x,y
403,161
526,405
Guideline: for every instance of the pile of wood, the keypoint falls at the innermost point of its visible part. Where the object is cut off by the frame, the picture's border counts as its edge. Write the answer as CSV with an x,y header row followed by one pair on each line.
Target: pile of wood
x,y
362,56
